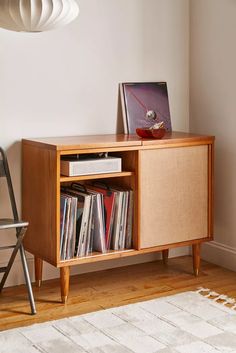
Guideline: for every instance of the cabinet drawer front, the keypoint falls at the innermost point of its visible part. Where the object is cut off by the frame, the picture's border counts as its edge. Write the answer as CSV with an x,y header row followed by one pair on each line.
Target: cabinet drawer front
x,y
173,195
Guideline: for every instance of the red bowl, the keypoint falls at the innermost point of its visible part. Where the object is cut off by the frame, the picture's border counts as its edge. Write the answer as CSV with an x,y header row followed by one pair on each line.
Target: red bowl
x,y
150,133
144,132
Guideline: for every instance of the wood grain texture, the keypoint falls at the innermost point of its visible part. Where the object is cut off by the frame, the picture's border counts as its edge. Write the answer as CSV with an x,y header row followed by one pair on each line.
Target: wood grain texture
x,y
165,255
110,288
38,267
211,190
65,281
173,195
40,201
111,141
85,142
42,181
65,179
176,138
112,254
196,258
58,207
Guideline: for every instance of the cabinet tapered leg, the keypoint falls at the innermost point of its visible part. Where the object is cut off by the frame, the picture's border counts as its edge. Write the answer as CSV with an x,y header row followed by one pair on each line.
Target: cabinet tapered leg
x,y
165,254
65,280
38,267
196,258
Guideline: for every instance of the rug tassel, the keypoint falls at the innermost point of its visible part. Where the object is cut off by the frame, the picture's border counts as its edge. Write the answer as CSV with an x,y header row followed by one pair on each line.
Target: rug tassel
x,y
220,298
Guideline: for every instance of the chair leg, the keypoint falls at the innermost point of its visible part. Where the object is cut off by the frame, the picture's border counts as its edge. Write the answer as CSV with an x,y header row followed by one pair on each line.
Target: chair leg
x,y
20,237
19,246
27,280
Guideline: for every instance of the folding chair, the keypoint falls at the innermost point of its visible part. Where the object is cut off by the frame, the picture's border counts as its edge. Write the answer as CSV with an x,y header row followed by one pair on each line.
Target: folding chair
x,y
20,228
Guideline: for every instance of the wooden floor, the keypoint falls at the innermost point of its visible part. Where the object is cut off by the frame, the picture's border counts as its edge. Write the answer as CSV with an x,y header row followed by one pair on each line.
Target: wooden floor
x,y
115,287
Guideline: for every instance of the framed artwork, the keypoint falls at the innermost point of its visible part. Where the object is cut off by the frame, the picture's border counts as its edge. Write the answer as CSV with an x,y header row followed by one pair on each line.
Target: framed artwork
x,y
144,104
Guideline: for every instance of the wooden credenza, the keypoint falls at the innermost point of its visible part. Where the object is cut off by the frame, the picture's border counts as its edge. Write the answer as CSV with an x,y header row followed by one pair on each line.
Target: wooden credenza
x,y
172,179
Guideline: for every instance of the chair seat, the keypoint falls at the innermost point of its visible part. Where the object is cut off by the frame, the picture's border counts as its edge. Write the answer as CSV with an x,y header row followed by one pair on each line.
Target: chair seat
x,y
6,223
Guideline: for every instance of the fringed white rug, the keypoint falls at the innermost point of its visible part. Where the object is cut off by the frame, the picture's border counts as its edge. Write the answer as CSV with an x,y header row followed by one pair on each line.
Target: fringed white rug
x,y
186,323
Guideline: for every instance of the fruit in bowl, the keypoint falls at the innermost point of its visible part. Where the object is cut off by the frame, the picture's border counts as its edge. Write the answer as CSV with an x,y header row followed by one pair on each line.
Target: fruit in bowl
x,y
156,131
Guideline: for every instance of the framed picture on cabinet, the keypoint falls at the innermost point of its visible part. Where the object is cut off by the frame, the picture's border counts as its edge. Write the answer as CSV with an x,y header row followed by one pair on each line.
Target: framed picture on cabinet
x,y
144,104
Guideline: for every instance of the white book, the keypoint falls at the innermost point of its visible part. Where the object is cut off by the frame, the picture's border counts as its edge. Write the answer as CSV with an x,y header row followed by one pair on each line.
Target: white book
x,y
98,222
73,238
84,227
99,243
63,208
117,220
67,223
90,227
71,227
83,207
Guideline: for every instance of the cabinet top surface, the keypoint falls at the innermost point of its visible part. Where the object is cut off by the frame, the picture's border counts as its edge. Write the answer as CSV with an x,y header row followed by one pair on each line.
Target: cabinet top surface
x,y
106,141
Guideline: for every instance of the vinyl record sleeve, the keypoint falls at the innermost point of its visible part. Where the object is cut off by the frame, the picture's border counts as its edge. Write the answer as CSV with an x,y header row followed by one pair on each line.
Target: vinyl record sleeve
x,y
144,104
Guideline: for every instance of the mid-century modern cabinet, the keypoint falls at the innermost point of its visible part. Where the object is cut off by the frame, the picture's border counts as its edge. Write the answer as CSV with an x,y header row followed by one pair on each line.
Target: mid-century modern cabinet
x,y
172,179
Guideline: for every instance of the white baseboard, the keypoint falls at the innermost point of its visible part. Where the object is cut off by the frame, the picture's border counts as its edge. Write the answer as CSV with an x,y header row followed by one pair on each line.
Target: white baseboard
x,y
16,276
219,254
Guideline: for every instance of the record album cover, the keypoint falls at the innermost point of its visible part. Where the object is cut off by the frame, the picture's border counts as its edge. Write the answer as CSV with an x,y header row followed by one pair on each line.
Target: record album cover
x,y
144,104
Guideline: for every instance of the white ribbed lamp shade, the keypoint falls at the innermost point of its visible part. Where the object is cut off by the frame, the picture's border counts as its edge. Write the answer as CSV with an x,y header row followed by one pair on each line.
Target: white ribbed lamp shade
x,y
36,15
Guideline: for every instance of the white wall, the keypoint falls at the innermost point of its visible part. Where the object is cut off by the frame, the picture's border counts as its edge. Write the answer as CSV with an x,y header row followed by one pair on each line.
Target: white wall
x,y
213,111
65,82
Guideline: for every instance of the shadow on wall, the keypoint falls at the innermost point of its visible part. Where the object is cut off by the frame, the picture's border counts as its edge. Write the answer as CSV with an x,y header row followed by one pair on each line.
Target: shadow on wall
x,y
119,120
14,160
8,237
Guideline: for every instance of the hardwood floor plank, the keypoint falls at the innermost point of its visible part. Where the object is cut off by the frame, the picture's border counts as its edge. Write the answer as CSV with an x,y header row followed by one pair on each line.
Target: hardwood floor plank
x,y
120,286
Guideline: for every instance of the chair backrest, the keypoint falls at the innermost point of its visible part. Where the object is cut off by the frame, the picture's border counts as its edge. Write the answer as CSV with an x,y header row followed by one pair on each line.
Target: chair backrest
x,y
5,172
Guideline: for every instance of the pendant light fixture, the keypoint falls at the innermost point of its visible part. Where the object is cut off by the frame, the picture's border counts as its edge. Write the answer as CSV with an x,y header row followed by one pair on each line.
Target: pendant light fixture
x,y
36,15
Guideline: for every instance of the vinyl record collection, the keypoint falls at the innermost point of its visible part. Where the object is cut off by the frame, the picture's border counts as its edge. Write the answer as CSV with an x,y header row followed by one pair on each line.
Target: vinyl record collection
x,y
95,218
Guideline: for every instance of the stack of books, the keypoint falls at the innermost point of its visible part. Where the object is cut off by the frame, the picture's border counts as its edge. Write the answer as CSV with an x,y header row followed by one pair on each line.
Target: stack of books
x,y
95,218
